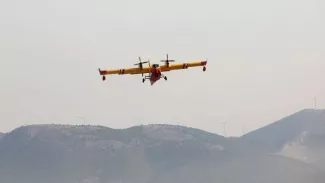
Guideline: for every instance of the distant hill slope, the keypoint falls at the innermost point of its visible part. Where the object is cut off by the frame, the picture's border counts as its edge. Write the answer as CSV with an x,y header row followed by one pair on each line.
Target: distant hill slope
x,y
141,154
300,135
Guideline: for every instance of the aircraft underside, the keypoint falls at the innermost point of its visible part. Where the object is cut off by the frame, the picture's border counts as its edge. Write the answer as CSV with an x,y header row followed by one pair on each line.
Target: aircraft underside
x,y
153,79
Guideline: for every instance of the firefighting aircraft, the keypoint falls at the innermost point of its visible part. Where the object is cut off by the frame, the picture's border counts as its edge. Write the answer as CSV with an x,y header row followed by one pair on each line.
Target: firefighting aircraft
x,y
154,71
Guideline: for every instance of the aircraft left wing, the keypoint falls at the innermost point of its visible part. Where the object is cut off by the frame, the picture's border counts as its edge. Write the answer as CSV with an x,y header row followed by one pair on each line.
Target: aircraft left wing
x,y
125,71
166,68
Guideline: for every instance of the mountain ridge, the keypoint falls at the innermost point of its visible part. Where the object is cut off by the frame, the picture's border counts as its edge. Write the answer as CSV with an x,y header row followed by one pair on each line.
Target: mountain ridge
x,y
300,136
161,153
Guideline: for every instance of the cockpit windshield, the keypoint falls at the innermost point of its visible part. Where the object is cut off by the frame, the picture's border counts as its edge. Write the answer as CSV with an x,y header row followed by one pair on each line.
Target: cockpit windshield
x,y
155,65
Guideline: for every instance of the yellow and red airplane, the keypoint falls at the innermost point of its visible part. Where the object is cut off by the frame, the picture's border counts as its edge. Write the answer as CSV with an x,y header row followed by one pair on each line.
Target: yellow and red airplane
x,y
154,71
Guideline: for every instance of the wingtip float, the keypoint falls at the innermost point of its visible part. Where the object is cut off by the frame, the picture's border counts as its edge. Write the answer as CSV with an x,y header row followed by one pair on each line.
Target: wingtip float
x,y
154,71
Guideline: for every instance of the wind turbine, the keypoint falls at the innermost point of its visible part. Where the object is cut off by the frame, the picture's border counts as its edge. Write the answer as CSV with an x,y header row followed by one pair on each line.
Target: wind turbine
x,y
315,102
243,130
82,119
224,127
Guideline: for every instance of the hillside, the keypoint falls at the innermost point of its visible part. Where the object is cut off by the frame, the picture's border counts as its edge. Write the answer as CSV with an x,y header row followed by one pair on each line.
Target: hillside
x,y
300,136
51,153
156,154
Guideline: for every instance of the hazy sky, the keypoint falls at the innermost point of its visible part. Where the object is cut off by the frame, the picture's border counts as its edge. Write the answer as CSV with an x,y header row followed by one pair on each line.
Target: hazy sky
x,y
266,60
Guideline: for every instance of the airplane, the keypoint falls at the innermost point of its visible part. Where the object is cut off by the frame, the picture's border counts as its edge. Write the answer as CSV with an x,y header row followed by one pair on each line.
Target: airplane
x,y
154,71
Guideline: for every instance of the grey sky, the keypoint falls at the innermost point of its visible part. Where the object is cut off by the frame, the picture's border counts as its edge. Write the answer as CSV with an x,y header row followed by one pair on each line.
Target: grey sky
x,y
266,60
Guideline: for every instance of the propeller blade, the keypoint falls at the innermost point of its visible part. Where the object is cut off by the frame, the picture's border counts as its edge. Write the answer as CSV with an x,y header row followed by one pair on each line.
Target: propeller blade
x,y
167,60
167,56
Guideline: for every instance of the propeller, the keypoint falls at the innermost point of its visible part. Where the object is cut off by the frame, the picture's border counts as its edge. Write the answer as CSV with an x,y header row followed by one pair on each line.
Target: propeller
x,y
141,64
167,61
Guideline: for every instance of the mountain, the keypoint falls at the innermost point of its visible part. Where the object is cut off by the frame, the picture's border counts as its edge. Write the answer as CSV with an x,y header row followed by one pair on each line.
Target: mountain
x,y
61,153
154,154
300,136
1,135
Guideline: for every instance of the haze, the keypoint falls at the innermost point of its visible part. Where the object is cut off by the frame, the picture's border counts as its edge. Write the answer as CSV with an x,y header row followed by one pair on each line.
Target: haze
x,y
265,60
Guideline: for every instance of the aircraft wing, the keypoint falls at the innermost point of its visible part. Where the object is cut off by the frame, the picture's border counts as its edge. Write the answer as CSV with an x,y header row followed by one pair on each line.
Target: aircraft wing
x,y
125,71
165,68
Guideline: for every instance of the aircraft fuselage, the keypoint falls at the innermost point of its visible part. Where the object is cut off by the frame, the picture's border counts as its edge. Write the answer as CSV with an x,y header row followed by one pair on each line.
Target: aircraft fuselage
x,y
155,75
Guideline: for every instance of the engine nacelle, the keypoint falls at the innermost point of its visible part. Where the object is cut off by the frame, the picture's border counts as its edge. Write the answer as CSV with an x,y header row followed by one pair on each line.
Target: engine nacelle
x,y
204,69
